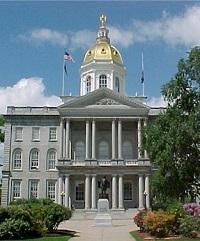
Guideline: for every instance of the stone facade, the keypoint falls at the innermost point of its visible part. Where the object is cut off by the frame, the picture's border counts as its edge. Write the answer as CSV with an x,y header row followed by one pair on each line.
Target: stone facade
x,y
63,152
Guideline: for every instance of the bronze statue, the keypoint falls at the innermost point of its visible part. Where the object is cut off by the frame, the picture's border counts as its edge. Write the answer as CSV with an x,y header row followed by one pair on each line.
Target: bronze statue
x,y
104,184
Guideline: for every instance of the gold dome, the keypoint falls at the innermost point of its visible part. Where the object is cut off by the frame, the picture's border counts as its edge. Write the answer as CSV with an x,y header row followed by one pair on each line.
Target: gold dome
x,y
102,50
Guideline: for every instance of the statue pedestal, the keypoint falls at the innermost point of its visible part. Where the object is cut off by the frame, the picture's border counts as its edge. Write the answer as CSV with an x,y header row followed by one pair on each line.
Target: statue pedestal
x,y
103,217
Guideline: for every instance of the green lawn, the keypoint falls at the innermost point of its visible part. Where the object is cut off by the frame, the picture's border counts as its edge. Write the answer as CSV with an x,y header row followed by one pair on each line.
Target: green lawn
x,y
135,235
57,238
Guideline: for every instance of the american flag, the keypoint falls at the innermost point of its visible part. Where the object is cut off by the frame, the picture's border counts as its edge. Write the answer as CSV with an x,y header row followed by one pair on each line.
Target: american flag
x,y
142,77
68,57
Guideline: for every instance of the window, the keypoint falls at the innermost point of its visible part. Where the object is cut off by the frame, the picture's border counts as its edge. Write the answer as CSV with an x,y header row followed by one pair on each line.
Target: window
x,y
52,134
117,84
35,133
103,150
79,153
80,191
16,189
18,133
33,188
127,191
127,150
34,159
88,84
51,159
17,159
102,81
51,190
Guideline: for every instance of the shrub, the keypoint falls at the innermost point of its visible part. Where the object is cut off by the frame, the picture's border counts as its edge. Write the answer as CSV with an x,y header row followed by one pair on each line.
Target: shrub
x,y
192,209
176,208
17,229
139,219
189,225
54,215
3,214
159,223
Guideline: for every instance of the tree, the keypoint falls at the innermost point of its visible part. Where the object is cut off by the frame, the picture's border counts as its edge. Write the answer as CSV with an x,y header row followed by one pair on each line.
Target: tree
x,y
173,138
2,121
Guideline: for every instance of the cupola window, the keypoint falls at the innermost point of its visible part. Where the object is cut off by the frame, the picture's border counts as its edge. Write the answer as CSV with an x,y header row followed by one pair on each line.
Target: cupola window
x,y
103,51
117,84
102,81
88,84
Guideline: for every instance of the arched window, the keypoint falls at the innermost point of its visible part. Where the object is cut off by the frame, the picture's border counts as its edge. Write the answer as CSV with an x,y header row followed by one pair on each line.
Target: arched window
x,y
51,159
34,159
17,159
127,150
103,150
117,84
79,153
88,84
102,81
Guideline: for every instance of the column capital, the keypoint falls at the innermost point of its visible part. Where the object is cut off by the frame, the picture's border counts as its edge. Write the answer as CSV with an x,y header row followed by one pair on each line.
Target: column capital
x,y
87,175
93,175
120,175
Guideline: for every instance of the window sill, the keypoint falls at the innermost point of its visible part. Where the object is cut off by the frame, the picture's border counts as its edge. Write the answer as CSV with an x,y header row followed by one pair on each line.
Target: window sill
x,y
53,140
17,170
51,170
18,140
35,140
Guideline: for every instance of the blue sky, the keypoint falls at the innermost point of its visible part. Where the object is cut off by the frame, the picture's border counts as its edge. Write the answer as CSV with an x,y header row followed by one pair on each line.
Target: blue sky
x,y
34,36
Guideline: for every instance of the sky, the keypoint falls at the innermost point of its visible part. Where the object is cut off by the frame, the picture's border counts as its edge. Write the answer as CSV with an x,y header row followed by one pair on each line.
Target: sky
x,y
34,36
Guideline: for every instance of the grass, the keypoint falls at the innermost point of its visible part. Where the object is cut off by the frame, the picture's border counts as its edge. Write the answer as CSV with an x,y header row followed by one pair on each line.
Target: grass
x,y
60,238
135,235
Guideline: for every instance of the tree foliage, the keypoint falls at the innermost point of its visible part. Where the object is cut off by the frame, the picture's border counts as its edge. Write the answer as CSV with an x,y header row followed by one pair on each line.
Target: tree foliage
x,y
173,138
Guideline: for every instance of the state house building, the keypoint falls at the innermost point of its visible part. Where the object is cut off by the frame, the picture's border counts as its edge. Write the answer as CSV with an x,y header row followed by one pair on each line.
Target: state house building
x,y
63,152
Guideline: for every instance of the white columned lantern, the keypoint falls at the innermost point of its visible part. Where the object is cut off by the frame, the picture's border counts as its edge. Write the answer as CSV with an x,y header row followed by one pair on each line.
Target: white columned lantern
x,y
102,65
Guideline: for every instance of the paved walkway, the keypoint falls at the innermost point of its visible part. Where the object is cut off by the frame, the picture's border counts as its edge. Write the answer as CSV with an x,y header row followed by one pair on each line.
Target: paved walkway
x,y
87,231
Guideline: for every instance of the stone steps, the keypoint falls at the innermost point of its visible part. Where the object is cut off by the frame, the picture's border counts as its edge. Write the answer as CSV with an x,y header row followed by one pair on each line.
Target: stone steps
x,y
80,214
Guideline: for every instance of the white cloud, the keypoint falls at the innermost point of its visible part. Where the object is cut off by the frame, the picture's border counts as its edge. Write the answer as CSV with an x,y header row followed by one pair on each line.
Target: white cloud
x,y
26,92
156,102
82,39
120,36
45,35
180,29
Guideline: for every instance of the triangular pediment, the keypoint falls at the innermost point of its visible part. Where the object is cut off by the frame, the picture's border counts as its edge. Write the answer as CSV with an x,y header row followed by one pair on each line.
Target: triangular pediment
x,y
102,97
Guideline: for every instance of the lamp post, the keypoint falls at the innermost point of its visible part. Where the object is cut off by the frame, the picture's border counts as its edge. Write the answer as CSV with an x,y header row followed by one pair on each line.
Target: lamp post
x,y
62,198
145,204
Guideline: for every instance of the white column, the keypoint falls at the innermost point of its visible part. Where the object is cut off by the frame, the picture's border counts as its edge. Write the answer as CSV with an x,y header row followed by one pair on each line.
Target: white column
x,y
141,192
61,138
119,139
94,206
114,192
87,144
87,192
60,186
67,191
93,139
145,151
121,192
67,138
113,140
147,201
139,139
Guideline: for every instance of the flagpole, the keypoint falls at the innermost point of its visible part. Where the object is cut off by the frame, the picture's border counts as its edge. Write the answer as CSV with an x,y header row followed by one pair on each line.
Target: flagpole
x,y
63,79
143,75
